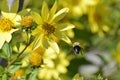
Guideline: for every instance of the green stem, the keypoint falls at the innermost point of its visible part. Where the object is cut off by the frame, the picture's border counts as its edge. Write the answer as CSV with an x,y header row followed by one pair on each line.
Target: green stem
x,y
17,57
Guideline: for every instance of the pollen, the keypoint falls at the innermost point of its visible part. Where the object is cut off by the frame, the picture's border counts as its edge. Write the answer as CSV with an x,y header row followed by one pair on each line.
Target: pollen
x,y
6,25
27,21
48,29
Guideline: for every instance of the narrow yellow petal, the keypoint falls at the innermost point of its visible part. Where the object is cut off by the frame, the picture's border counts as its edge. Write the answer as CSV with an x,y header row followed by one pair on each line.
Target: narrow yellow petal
x,y
59,15
36,42
37,31
53,45
45,11
66,39
63,37
36,17
2,40
65,26
8,15
53,10
13,17
16,20
45,42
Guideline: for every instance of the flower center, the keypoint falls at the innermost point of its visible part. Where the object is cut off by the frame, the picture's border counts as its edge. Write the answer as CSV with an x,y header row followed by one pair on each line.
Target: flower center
x,y
6,25
48,29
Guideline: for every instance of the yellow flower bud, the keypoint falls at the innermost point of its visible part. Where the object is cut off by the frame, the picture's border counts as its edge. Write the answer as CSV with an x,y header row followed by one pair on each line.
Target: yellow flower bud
x,y
27,21
19,73
35,59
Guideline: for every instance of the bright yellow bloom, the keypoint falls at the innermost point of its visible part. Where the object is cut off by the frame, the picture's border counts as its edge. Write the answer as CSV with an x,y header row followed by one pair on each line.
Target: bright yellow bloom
x,y
98,16
19,73
7,22
27,21
54,65
48,27
78,7
35,57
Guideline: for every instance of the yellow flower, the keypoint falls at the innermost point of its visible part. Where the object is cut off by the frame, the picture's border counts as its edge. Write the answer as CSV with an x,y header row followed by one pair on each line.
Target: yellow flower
x,y
19,73
77,77
78,7
98,16
27,21
7,22
54,65
35,59
36,56
48,27
118,54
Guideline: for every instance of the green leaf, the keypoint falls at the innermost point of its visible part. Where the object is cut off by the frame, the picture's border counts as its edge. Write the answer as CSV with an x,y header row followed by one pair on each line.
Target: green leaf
x,y
24,12
7,49
33,75
18,46
13,68
1,70
15,6
3,55
4,77
4,6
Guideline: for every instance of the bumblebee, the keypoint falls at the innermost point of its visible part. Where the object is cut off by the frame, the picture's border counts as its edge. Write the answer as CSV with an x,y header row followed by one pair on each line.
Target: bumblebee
x,y
77,48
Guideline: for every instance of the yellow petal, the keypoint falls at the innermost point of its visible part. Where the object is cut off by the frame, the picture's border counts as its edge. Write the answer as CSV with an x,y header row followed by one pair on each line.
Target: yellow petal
x,y
37,31
45,11
13,30
65,26
53,45
25,62
36,17
16,20
66,39
53,10
63,37
36,42
118,48
49,63
2,40
61,68
13,17
44,42
7,37
8,15
60,15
